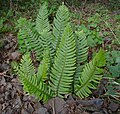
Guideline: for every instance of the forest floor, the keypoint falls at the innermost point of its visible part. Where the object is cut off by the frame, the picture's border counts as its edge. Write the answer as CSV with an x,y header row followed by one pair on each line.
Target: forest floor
x,y
13,99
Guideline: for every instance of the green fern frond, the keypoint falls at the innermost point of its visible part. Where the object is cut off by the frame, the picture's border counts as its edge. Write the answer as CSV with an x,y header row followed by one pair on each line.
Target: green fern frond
x,y
92,73
36,43
29,39
78,72
60,22
40,90
47,42
29,79
23,36
15,67
42,23
43,28
26,66
44,67
38,37
82,52
82,48
64,64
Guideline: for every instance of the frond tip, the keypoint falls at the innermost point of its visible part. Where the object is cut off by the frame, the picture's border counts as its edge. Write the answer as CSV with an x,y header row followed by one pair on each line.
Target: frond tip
x,y
92,73
42,23
60,22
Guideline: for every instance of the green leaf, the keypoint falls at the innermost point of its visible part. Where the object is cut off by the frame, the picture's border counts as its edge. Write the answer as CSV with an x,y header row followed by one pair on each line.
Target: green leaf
x,y
60,22
81,47
115,70
23,34
92,73
82,52
64,64
42,23
29,80
44,67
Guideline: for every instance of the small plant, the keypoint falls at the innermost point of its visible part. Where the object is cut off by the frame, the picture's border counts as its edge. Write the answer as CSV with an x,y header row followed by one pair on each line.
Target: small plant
x,y
6,22
113,62
114,4
3,26
113,74
62,54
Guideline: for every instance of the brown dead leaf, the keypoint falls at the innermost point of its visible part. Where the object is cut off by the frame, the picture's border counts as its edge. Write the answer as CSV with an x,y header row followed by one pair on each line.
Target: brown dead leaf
x,y
15,56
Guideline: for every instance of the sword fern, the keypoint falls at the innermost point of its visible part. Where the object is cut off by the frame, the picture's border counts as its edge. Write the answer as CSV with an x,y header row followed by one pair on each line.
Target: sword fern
x,y
61,53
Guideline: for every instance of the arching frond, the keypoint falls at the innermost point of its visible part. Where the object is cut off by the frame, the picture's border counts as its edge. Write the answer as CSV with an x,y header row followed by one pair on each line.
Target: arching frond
x,y
29,79
91,75
60,22
64,64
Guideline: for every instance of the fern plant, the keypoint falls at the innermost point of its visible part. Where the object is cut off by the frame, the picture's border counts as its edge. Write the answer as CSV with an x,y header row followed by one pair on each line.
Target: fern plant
x,y
62,54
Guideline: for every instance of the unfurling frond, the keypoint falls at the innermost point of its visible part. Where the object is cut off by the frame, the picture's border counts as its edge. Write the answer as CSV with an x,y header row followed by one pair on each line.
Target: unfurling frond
x,y
92,73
